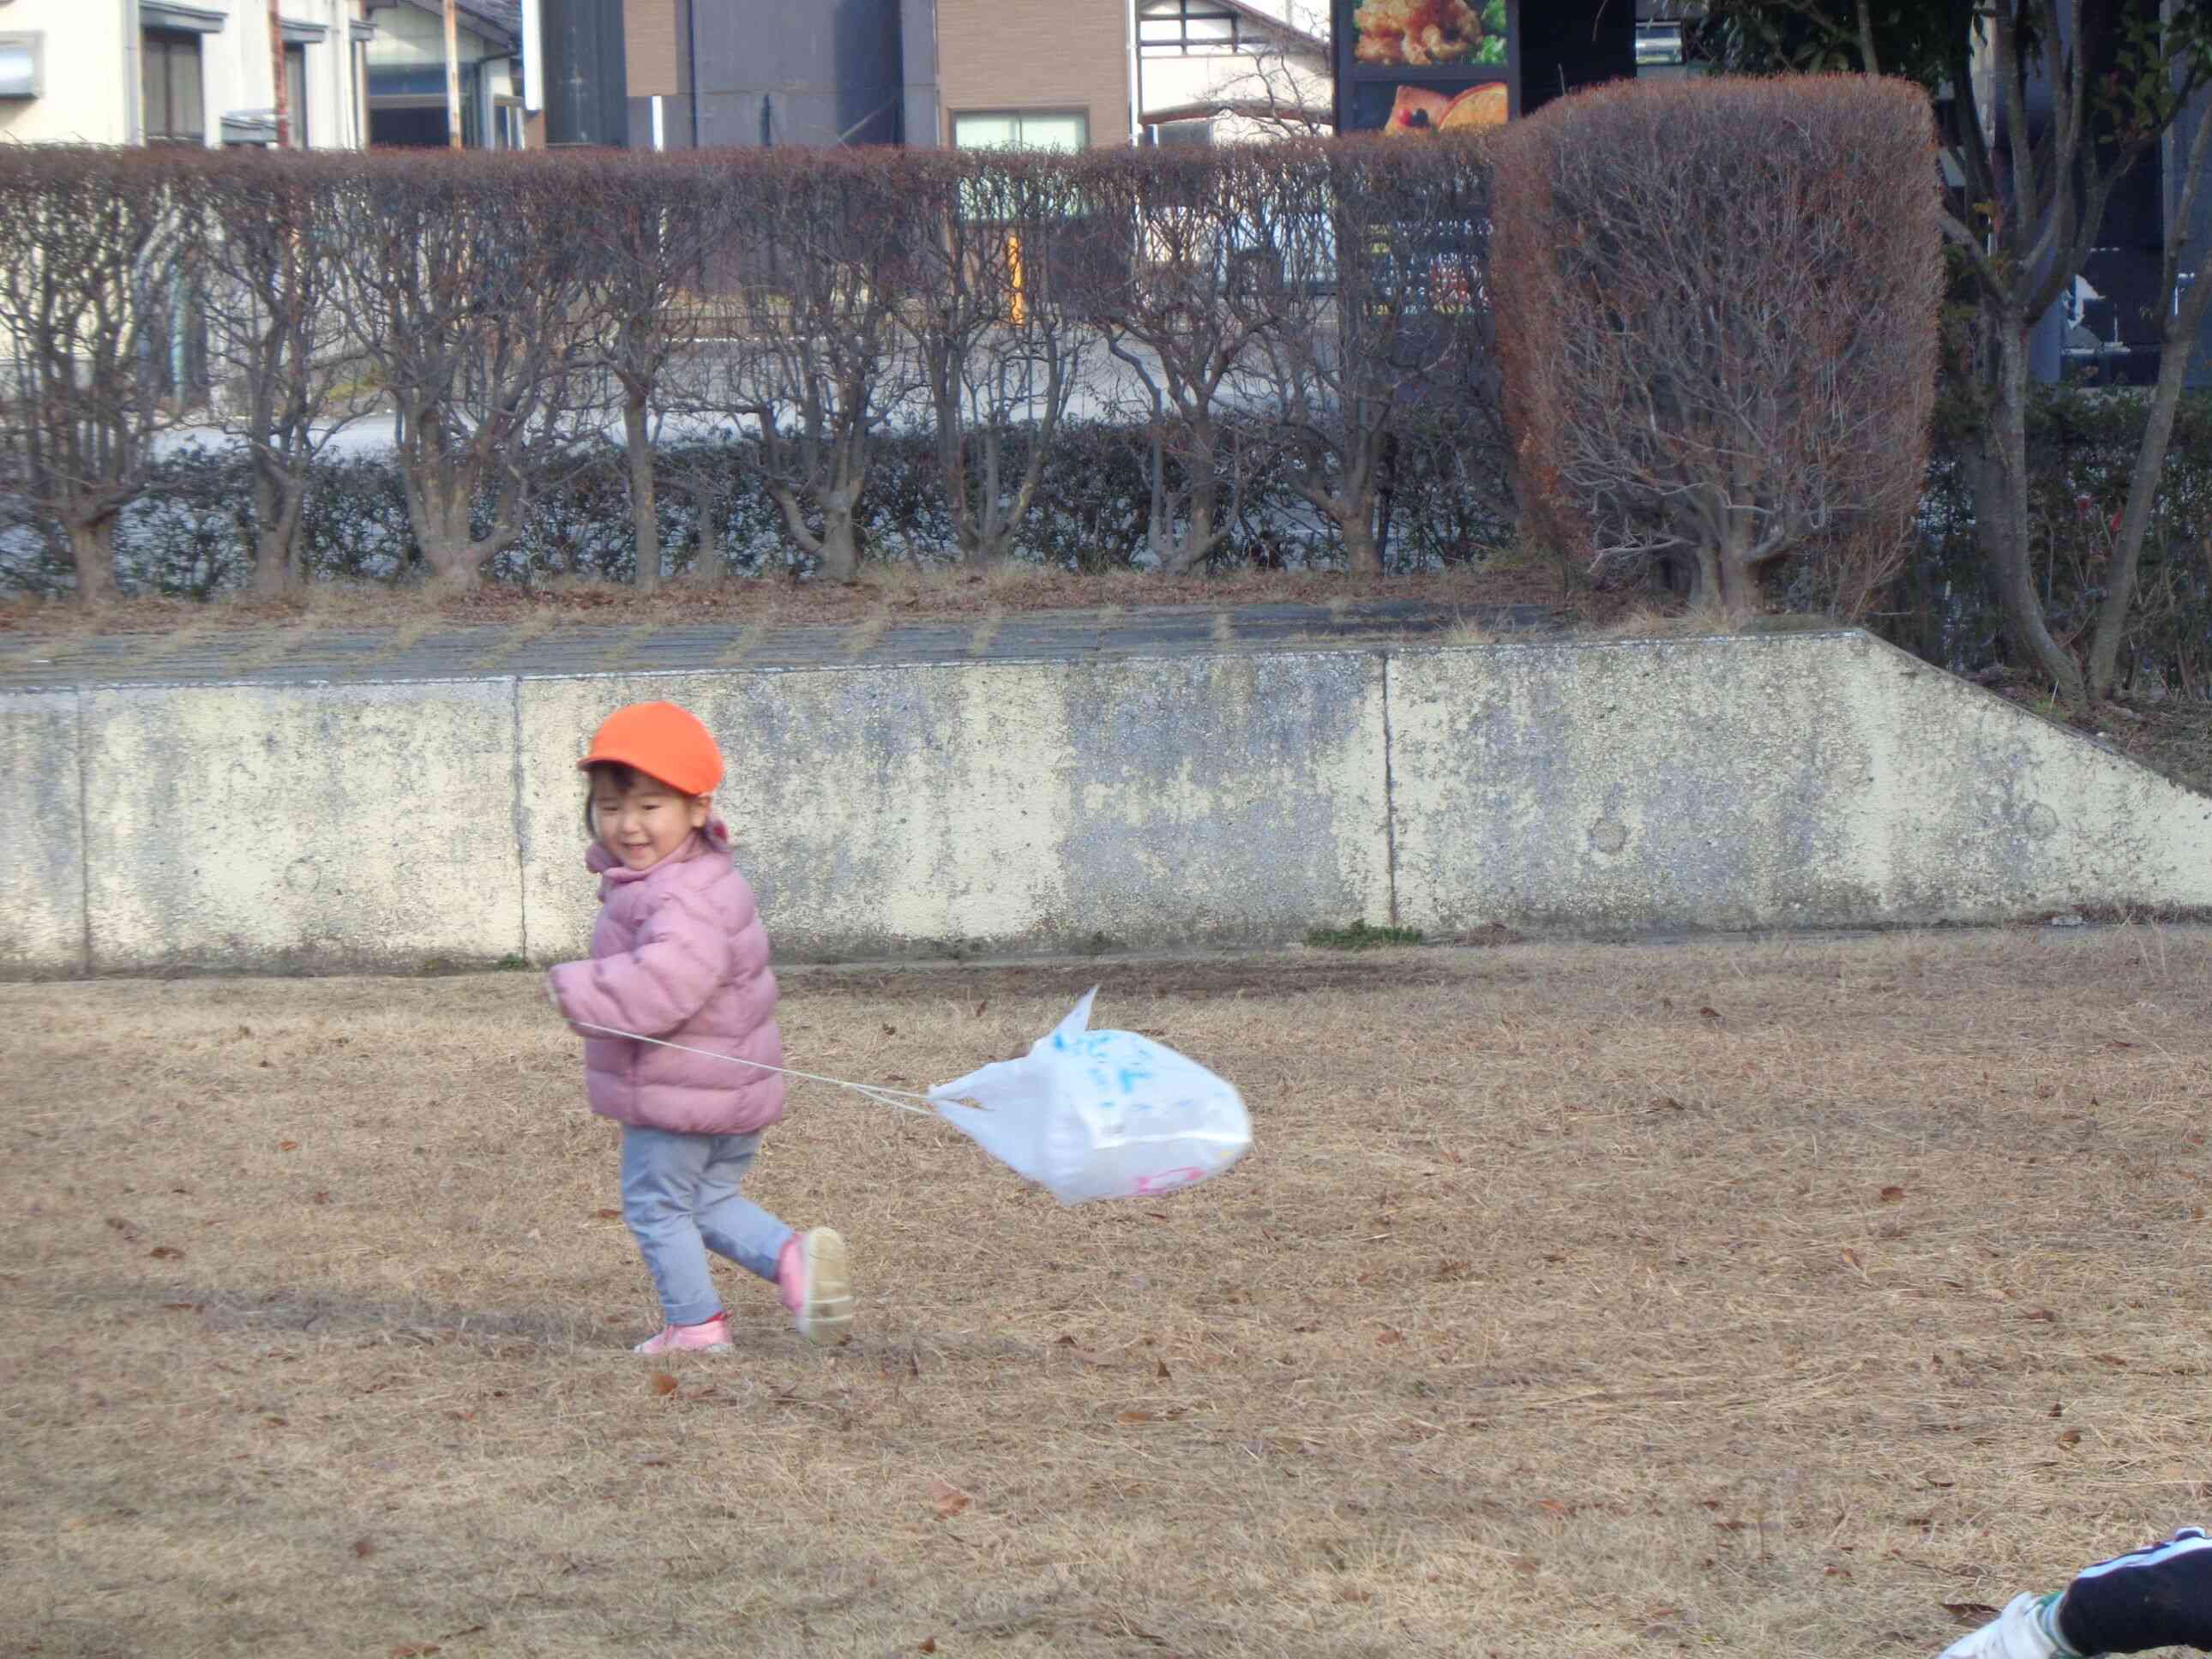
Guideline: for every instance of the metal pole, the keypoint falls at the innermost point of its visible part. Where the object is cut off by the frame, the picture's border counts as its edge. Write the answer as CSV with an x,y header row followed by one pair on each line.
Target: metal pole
x,y
452,76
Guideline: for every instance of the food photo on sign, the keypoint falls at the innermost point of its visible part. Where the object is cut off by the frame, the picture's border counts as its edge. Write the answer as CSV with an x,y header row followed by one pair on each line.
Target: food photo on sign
x,y
1420,67
1421,34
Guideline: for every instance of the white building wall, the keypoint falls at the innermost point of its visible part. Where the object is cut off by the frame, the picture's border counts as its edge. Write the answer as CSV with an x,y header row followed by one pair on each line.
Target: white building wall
x,y
89,49
83,101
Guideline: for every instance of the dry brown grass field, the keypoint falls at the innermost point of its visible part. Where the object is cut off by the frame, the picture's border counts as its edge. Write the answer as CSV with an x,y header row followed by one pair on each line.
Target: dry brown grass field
x,y
1738,1299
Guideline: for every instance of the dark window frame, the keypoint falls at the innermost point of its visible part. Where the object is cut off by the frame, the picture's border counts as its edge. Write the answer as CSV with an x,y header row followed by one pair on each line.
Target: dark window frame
x,y
167,47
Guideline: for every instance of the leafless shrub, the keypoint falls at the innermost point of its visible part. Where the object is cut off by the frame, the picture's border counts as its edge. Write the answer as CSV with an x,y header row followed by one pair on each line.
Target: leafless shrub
x,y
809,347
1378,309
649,228
999,342
464,289
270,271
1716,310
93,299
1180,304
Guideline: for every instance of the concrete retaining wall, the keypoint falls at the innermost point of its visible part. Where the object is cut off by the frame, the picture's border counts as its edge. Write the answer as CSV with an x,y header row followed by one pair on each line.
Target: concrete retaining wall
x,y
1233,798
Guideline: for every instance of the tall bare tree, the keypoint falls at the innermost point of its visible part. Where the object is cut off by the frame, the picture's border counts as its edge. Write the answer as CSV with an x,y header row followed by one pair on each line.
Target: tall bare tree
x,y
2025,207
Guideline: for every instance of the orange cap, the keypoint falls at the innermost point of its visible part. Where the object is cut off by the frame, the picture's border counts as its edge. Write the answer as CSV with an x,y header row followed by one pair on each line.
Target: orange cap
x,y
664,742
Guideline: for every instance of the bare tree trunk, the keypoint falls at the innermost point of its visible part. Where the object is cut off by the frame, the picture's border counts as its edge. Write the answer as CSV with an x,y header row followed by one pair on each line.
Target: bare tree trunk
x,y
644,505
92,548
2134,521
1363,553
840,548
2001,526
277,502
709,559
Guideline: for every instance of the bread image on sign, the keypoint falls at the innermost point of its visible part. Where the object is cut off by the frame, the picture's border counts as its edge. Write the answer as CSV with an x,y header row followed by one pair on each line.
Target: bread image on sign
x,y
1421,109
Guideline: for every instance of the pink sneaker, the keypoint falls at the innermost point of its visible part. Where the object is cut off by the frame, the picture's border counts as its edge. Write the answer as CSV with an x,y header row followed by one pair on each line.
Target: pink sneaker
x,y
709,1336
815,1280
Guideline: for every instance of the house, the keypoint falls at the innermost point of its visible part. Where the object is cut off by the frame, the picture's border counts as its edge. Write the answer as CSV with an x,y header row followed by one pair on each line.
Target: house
x,y
406,74
164,71
1225,71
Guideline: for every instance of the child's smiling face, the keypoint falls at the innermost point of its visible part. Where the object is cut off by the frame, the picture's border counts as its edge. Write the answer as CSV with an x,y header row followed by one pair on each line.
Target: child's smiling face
x,y
643,823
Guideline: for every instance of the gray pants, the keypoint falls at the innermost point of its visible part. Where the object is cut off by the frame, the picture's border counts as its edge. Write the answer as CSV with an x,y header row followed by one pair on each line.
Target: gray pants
x,y
680,1197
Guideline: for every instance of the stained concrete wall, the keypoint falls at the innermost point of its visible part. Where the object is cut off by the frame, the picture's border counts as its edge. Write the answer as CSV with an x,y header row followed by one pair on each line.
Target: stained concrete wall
x,y
1772,781
1221,799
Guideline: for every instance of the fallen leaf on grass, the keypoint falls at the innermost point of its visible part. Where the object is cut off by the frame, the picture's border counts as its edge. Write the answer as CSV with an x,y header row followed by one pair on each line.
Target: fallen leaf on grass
x,y
1969,1613
2071,1437
2108,1359
608,1215
1387,1337
1135,1416
927,1644
1160,1371
949,1499
319,1198
664,1383
363,1548
410,1650
294,1146
166,1253
184,1307
1892,1194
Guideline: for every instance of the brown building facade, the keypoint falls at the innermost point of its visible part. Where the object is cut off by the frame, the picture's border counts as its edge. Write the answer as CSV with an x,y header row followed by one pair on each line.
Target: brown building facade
x,y
1038,72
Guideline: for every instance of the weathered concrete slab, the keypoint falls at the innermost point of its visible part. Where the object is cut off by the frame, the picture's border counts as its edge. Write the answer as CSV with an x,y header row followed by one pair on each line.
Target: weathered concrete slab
x,y
303,827
1767,782
1063,806
307,652
42,915
1149,801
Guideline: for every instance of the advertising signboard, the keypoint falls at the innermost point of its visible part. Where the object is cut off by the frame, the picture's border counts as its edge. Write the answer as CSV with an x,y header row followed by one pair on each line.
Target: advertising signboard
x,y
1415,68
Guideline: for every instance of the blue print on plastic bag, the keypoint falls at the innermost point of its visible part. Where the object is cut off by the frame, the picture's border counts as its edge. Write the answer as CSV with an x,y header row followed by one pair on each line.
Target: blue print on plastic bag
x,y
1102,1113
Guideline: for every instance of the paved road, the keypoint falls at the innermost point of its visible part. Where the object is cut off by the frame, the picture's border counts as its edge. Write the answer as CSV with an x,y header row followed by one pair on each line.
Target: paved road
x,y
304,653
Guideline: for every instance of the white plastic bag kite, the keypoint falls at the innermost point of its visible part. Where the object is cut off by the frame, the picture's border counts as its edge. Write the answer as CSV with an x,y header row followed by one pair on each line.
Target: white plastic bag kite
x,y
1090,1114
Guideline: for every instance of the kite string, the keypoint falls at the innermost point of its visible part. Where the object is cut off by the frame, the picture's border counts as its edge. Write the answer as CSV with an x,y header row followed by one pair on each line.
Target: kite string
x,y
882,1097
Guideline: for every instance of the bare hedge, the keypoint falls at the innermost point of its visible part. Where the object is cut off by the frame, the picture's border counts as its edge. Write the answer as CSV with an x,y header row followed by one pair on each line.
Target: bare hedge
x,y
1166,358
1716,309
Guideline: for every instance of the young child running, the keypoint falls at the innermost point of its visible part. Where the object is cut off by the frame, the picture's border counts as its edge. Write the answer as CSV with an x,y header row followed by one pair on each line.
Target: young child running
x,y
2158,1597
679,954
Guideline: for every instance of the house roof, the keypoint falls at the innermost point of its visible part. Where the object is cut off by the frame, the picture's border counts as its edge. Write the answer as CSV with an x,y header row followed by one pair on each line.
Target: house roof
x,y
1276,25
502,18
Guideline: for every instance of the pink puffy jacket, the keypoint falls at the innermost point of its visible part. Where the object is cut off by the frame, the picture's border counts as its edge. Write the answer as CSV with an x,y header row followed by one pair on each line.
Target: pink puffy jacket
x,y
678,953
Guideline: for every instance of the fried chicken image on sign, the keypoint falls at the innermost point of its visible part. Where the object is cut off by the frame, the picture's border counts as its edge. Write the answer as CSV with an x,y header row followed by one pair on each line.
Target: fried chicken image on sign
x,y
1416,31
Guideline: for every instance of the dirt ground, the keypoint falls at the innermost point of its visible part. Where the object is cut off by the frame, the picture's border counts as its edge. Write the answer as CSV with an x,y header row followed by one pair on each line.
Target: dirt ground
x,y
1737,1299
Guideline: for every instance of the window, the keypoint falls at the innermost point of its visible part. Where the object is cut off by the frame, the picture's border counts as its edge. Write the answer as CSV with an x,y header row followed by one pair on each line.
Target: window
x,y
1186,28
175,108
22,65
509,124
1022,129
1181,134
296,94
